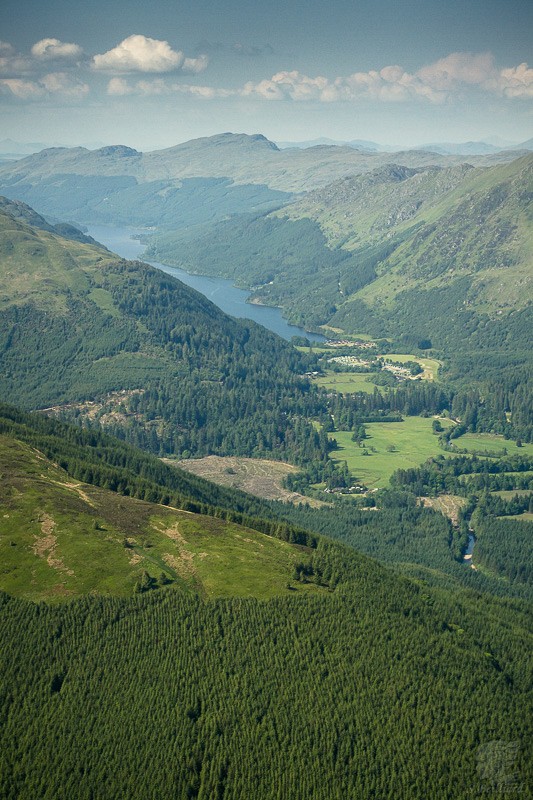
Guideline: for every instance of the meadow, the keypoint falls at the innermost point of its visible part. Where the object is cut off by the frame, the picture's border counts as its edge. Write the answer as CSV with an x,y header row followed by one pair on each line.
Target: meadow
x,y
389,446
61,539
479,443
348,382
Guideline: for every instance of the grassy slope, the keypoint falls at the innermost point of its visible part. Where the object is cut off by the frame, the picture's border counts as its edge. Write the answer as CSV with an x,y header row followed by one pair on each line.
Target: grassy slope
x,y
366,208
463,222
61,539
478,229
37,266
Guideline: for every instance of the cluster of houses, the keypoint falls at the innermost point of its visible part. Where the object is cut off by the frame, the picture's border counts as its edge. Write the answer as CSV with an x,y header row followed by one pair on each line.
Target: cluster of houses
x,y
401,372
350,343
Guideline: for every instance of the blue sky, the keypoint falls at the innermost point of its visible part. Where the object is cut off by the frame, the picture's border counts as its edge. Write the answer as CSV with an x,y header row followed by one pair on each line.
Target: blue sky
x,y
154,74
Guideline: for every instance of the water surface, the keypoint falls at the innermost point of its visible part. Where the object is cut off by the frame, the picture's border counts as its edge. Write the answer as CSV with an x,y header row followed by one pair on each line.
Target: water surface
x,y
220,291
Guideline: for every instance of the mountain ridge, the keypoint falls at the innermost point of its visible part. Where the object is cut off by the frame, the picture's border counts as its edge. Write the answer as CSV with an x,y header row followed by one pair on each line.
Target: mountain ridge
x,y
42,180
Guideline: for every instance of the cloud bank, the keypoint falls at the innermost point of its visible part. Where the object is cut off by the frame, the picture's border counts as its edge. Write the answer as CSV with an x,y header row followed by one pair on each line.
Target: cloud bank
x,y
435,83
145,66
52,84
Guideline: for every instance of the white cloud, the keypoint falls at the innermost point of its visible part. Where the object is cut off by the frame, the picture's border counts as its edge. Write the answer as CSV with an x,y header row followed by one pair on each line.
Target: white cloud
x,y
24,90
158,86
44,52
52,84
6,49
195,64
53,48
289,85
60,83
11,63
141,54
118,86
456,69
516,81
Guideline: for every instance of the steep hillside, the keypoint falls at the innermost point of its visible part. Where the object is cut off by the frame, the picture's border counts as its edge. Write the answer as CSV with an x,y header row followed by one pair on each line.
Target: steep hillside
x,y
61,538
363,209
483,230
425,252
24,213
149,357
228,172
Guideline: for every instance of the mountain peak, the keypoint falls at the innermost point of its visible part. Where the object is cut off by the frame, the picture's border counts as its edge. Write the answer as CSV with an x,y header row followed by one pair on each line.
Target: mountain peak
x,y
229,141
119,150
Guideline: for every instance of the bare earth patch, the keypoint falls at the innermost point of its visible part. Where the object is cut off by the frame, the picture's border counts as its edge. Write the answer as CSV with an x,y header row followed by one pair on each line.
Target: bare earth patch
x,y
257,476
45,545
447,504
184,564
76,487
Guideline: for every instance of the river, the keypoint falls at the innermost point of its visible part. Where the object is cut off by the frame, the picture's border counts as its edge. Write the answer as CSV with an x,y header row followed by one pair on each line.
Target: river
x,y
221,292
469,552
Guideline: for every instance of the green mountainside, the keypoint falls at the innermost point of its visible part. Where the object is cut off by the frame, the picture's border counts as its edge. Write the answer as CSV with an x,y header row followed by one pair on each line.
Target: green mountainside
x,y
398,530
163,365
428,253
61,538
363,209
24,213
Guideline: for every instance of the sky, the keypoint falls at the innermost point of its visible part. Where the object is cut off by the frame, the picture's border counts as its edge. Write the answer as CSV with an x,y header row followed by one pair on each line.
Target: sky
x,y
153,74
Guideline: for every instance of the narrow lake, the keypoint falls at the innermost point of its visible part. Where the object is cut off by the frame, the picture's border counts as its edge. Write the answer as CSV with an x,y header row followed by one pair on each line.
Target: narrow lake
x,y
220,291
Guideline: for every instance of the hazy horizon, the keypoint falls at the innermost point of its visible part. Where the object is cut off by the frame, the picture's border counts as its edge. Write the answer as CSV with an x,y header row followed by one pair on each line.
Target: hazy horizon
x,y
403,73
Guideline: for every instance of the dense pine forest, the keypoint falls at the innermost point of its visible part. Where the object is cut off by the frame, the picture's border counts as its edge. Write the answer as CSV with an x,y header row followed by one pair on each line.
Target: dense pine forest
x,y
378,689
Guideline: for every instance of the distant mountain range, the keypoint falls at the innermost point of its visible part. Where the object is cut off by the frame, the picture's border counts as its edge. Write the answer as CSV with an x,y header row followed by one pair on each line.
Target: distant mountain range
x,y
11,149
443,148
90,185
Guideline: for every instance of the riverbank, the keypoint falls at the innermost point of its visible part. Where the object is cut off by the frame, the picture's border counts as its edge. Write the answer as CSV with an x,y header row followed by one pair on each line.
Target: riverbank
x,y
229,298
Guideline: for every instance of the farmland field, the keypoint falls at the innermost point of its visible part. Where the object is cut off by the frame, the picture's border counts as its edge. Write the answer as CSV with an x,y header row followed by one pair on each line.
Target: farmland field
x,y
479,442
348,382
413,441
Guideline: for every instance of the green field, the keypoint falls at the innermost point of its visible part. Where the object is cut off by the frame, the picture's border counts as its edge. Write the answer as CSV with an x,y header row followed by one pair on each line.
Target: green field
x,y
429,365
413,441
508,494
348,382
480,442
